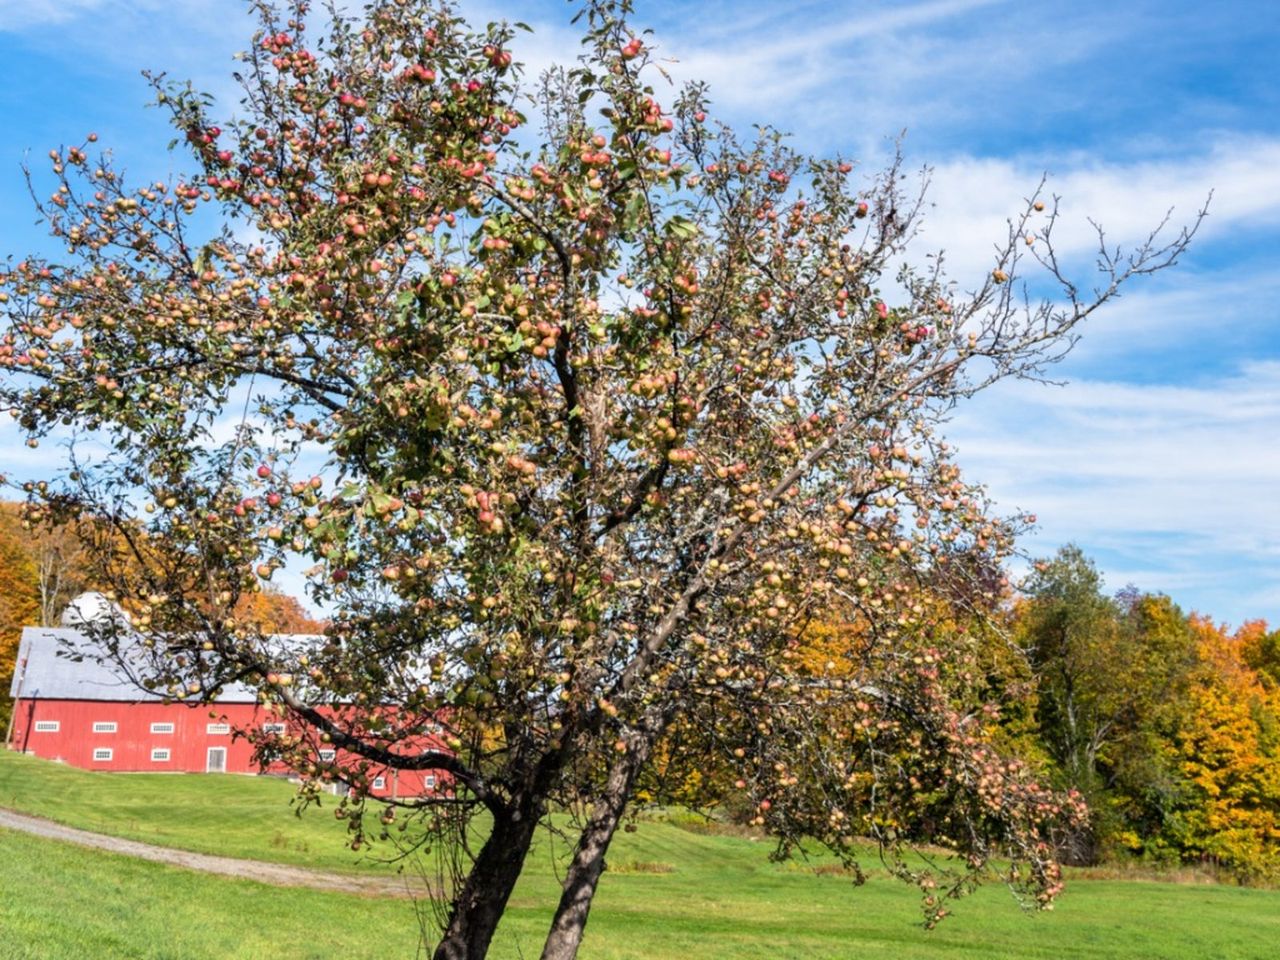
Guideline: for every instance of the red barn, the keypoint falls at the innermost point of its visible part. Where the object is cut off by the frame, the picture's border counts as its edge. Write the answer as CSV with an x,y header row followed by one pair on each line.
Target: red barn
x,y
84,713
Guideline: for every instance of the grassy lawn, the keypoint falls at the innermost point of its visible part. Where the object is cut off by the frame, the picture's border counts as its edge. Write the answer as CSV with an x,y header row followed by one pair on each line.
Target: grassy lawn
x,y
722,898
233,816
62,902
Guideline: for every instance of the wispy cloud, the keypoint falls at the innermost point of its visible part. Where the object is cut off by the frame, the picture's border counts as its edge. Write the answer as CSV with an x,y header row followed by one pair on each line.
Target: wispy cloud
x,y
16,15
1173,485
974,196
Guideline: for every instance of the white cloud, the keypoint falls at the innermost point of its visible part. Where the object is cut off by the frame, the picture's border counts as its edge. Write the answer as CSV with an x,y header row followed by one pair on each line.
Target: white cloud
x,y
838,73
849,75
1173,486
750,64
846,76
1192,317
973,198
23,14
19,462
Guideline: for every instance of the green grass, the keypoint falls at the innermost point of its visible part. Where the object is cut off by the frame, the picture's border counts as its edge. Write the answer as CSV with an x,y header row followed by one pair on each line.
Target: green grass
x,y
60,902
233,816
721,897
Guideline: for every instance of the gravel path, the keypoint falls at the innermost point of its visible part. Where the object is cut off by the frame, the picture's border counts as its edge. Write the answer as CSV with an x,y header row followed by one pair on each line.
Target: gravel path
x,y
277,874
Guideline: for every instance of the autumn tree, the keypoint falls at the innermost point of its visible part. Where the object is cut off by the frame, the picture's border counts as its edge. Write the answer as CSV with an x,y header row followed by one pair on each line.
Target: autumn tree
x,y
19,599
1228,750
1112,673
60,562
1143,775
1260,649
53,561
271,611
1071,631
606,401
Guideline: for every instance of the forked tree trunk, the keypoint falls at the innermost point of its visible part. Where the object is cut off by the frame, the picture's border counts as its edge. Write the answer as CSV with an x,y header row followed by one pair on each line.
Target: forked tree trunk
x,y
583,875
483,898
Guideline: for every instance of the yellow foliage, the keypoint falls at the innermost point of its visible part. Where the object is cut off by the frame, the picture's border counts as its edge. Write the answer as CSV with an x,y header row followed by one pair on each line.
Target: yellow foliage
x,y
1230,755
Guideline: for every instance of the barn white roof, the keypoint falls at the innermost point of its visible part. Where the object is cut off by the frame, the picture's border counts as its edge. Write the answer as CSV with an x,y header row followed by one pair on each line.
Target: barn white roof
x,y
63,663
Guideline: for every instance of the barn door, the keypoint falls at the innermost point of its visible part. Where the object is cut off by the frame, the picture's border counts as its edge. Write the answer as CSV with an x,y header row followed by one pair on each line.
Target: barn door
x,y
217,760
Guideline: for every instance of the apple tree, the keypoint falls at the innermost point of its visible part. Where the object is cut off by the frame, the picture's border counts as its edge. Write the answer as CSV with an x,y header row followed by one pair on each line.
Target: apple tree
x,y
575,408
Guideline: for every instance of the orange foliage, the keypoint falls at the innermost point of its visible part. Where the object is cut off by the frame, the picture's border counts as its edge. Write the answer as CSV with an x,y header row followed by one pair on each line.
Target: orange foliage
x,y
271,611
1230,754
19,597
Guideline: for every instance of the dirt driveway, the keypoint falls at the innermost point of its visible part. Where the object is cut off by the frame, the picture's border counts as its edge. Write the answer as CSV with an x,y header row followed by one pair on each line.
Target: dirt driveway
x,y
278,874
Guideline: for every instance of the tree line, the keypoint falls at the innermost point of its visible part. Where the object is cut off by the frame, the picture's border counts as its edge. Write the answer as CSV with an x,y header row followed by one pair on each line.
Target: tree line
x,y
1167,722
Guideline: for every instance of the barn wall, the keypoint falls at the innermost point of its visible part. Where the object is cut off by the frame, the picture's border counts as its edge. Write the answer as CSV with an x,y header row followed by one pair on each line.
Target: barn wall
x,y
75,741
133,741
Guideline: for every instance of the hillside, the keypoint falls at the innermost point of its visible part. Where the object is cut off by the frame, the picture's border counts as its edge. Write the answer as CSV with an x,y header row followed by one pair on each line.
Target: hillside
x,y
671,893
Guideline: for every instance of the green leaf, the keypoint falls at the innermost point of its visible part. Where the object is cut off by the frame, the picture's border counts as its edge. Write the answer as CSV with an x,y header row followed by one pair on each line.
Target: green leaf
x,y
681,228
635,206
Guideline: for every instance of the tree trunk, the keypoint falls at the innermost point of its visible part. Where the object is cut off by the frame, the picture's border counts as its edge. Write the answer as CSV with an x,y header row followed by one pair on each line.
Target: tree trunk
x,y
584,872
483,898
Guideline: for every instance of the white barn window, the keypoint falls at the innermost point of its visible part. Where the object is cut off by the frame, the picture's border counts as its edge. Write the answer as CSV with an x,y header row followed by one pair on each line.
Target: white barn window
x,y
379,782
217,729
430,782
48,726
162,728
274,728
160,755
216,760
328,755
102,754
104,726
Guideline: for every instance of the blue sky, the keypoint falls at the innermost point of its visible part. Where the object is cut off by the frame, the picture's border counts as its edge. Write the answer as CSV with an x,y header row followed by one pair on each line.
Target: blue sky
x,y
1160,456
